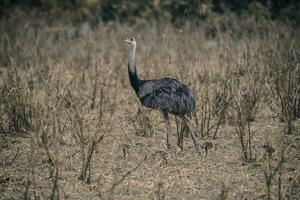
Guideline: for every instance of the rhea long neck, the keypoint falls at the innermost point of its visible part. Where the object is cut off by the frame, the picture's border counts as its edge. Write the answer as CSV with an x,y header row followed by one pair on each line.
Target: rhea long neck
x,y
133,77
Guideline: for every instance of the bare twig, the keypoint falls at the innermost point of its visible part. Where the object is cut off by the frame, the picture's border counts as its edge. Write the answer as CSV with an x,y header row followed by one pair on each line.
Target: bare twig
x,y
118,182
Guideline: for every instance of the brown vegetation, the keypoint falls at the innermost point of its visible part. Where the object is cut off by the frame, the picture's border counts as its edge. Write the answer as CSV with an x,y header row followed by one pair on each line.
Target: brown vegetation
x,y
72,128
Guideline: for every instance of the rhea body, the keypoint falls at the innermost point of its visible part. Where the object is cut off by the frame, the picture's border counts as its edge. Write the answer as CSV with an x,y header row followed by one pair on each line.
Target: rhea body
x,y
167,95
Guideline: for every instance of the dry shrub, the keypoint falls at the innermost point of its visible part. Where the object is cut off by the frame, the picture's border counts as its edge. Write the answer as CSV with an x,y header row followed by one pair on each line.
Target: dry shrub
x,y
244,106
88,127
141,122
205,112
221,101
284,82
71,115
204,115
275,162
246,86
270,173
213,100
16,110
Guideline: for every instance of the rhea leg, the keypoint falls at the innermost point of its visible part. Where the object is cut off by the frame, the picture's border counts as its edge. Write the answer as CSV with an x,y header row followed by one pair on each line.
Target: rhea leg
x,y
167,123
180,133
189,124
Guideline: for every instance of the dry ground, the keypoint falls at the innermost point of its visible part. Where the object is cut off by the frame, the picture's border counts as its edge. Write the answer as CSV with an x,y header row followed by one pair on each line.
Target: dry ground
x,y
73,85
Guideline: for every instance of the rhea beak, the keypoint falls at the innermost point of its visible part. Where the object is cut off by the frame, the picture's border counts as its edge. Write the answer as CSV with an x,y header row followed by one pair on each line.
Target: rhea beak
x,y
127,41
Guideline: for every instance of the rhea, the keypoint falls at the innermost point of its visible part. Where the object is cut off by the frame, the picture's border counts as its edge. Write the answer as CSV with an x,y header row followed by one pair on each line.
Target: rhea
x,y
167,95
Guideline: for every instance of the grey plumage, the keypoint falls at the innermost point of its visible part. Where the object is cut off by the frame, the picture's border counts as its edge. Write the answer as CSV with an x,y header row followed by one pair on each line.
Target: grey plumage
x,y
166,94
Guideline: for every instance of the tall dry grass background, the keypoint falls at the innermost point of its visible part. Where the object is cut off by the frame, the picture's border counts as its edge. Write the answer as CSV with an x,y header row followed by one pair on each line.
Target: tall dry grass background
x,y
72,127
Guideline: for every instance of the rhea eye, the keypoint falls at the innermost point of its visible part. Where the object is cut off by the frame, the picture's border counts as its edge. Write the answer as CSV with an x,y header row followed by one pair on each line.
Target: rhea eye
x,y
131,39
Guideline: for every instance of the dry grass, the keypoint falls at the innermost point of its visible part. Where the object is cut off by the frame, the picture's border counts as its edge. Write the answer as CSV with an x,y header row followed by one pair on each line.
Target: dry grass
x,y
78,114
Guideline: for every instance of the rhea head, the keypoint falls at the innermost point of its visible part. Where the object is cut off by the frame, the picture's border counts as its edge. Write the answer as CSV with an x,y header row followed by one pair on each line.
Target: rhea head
x,y
131,51
131,43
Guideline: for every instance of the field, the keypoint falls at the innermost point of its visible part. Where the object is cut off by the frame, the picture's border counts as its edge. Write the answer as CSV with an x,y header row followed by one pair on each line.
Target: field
x,y
72,127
